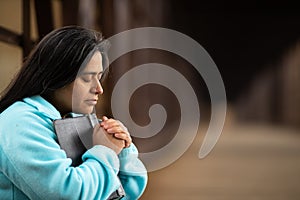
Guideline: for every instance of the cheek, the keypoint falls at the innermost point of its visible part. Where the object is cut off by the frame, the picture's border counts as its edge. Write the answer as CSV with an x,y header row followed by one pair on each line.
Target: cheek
x,y
79,92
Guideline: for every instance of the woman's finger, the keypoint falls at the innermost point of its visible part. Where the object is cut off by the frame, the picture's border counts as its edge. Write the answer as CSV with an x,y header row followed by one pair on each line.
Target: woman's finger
x,y
104,118
124,136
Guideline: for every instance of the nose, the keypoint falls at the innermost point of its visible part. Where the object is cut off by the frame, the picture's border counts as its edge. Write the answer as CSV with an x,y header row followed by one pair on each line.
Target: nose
x,y
97,89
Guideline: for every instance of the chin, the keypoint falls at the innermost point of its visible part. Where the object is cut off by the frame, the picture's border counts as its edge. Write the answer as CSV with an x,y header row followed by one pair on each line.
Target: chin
x,y
84,111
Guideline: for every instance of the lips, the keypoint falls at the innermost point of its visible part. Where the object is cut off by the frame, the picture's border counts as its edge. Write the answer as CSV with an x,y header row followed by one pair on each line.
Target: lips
x,y
91,101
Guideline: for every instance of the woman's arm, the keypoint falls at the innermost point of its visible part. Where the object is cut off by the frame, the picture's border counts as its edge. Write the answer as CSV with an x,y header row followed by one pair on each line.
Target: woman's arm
x,y
133,173
33,161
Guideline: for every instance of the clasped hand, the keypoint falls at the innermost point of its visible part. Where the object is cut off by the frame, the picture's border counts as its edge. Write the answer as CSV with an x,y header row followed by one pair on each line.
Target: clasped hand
x,y
112,134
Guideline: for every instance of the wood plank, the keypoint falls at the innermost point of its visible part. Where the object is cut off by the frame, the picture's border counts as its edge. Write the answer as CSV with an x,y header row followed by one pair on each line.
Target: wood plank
x,y
44,17
10,37
26,40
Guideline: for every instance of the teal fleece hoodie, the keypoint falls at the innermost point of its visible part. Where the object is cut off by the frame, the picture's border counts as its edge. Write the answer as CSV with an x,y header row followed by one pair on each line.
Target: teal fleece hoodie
x,y
33,166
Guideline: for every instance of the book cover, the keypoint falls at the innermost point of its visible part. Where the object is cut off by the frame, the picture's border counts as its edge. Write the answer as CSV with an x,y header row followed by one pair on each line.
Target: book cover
x,y
74,136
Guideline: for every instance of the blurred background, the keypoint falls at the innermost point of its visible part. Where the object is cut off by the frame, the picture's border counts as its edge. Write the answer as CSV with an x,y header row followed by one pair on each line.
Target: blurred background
x,y
255,45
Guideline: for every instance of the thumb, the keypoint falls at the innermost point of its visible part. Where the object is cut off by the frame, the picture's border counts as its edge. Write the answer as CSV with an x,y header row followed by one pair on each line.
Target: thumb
x,y
104,118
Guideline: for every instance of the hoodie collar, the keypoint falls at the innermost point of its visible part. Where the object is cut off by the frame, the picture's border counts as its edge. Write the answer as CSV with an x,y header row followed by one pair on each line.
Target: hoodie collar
x,y
43,106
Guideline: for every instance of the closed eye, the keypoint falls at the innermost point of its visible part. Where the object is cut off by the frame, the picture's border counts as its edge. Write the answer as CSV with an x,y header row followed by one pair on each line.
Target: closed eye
x,y
88,76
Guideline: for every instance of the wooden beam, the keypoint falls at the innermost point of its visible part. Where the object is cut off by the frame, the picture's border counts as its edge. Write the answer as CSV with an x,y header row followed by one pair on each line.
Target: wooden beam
x,y
44,17
26,40
10,37
70,12
106,19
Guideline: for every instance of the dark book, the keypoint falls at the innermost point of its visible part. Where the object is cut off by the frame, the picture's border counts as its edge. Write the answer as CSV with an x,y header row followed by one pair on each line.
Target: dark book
x,y
74,136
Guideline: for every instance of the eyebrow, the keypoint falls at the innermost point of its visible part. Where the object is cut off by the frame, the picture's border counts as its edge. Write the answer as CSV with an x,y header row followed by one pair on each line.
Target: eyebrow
x,y
92,73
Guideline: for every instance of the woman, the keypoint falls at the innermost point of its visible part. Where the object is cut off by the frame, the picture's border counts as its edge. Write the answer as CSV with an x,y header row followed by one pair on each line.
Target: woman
x,y
60,76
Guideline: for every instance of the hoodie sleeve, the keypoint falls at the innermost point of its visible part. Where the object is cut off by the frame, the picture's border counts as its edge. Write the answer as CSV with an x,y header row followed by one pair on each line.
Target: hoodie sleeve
x,y
132,174
32,160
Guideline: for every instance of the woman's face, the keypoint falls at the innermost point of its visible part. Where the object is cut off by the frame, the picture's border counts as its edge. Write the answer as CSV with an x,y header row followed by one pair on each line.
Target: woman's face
x,y
81,95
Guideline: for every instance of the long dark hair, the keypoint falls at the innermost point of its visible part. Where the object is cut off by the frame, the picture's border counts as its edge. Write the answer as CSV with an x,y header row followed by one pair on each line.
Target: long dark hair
x,y
53,63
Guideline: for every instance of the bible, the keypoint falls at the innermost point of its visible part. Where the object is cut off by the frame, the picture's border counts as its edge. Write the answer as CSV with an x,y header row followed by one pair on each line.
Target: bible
x,y
74,136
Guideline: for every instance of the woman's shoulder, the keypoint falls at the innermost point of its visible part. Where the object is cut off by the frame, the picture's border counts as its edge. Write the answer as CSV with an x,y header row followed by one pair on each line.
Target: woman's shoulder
x,y
16,110
30,107
25,116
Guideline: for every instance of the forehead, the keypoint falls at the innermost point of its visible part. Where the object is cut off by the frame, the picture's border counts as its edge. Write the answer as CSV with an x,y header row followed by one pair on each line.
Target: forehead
x,y
95,63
